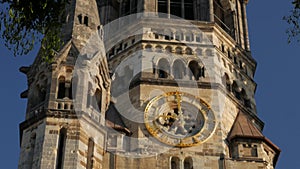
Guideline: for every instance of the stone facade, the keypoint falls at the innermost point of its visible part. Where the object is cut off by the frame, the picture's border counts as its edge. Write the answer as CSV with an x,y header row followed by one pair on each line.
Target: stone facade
x,y
86,109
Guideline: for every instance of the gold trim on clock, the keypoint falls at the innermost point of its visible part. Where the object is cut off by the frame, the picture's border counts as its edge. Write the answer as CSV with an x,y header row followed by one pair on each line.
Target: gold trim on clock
x,y
179,119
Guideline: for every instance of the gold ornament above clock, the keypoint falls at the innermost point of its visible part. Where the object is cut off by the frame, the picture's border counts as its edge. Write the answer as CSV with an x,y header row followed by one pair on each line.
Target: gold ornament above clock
x,y
179,119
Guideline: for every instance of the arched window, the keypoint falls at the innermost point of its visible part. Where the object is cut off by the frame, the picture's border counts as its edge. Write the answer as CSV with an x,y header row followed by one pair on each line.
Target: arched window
x,y
245,99
235,60
223,48
42,88
236,91
224,62
243,94
90,154
178,69
229,54
175,163
195,71
163,68
64,88
169,49
178,50
188,163
188,37
168,35
148,48
199,52
31,150
61,148
39,90
226,82
159,49
80,19
61,88
188,51
86,21
68,89
178,36
98,96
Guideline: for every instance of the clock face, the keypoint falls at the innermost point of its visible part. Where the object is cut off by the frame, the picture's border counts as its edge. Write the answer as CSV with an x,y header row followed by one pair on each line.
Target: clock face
x,y
179,119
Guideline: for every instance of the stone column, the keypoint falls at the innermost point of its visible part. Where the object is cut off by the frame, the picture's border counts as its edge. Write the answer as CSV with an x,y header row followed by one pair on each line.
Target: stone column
x,y
240,23
211,10
182,9
235,26
169,7
120,8
245,23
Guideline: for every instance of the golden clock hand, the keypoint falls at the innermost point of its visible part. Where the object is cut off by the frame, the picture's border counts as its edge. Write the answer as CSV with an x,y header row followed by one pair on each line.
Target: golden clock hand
x,y
178,97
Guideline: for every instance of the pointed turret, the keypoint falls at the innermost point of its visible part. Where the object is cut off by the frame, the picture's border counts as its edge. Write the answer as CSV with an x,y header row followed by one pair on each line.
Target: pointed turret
x,y
81,21
249,144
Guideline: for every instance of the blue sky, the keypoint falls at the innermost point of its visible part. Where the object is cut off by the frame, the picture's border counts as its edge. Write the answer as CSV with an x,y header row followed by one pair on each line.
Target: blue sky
x,y
277,75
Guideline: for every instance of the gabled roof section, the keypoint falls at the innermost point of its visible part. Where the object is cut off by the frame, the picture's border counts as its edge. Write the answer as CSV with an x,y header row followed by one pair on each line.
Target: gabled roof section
x,y
114,120
243,127
68,51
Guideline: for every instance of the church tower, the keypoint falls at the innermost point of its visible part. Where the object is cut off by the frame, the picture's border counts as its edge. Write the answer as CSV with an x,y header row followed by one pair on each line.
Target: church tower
x,y
164,84
53,134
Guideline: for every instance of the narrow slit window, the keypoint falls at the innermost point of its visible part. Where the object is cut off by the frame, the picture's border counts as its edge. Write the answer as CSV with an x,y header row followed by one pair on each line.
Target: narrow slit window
x,y
86,21
98,95
61,88
90,154
80,19
31,151
61,147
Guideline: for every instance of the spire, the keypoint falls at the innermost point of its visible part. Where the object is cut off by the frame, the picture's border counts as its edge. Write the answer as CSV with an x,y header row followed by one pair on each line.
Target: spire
x,y
81,20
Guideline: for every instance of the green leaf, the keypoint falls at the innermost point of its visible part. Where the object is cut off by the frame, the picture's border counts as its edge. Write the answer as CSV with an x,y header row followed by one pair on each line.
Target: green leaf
x,y
45,5
11,13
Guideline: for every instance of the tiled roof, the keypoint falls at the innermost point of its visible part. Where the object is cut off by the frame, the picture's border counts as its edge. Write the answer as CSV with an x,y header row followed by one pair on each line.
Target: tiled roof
x,y
243,127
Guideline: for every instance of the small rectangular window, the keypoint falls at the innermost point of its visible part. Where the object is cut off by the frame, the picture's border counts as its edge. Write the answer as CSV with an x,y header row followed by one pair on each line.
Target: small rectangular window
x,y
162,8
176,8
90,154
